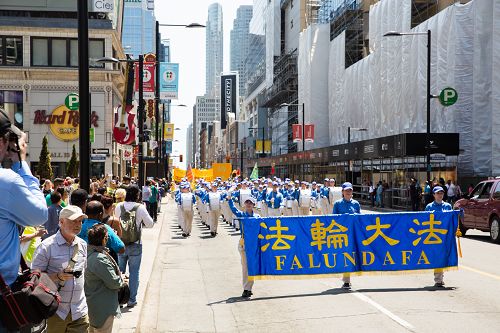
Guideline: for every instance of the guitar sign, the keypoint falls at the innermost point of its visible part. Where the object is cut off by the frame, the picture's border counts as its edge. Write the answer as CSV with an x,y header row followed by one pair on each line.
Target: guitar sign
x,y
124,128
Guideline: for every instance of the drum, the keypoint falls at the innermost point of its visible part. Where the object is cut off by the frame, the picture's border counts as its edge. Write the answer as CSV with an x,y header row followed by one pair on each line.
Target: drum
x,y
244,195
305,198
187,201
259,204
289,203
214,199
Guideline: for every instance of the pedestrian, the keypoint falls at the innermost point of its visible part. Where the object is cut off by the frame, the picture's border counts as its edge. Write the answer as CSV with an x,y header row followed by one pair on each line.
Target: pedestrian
x,y
428,193
452,192
304,199
146,194
95,213
212,201
30,239
153,202
371,193
438,205
414,195
109,217
22,204
58,183
63,257
47,187
52,224
249,205
120,195
346,205
79,198
133,217
379,195
102,282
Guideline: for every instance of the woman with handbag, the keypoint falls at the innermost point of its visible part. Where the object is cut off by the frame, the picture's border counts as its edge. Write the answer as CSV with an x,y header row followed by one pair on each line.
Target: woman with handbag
x,y
102,282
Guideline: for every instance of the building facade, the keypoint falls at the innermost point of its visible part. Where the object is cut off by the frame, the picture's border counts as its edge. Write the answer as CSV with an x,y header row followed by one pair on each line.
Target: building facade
x,y
39,69
205,113
214,49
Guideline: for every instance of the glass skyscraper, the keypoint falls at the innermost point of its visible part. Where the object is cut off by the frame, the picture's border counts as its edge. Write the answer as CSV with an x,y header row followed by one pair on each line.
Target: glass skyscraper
x,y
240,44
214,48
138,28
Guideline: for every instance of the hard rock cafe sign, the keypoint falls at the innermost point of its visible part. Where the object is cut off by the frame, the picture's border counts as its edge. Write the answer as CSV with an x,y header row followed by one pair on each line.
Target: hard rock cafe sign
x,y
63,123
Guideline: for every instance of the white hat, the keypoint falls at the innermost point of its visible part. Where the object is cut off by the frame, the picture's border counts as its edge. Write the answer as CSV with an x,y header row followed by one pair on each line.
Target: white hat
x,y
71,212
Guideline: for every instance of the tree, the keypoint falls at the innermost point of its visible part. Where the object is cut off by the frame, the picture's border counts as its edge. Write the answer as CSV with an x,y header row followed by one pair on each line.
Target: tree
x,y
44,168
72,165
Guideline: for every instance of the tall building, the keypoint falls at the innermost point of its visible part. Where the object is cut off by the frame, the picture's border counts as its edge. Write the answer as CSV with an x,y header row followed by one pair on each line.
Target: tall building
x,y
214,49
240,44
189,145
42,39
206,112
139,27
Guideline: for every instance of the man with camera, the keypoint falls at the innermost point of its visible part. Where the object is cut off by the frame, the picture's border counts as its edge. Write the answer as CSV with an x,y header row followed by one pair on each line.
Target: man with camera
x,y
63,257
22,204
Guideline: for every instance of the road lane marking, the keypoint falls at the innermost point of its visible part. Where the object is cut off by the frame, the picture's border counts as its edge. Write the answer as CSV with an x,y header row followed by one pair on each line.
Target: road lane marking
x,y
380,308
493,276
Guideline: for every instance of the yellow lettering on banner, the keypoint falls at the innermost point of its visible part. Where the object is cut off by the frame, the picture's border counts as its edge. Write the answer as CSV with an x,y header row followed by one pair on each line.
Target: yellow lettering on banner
x,y
327,261
423,257
280,242
379,233
388,258
311,261
406,256
432,237
296,262
352,259
280,261
365,261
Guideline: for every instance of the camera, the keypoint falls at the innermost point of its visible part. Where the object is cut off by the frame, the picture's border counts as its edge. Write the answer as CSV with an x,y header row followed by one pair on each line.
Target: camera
x,y
76,274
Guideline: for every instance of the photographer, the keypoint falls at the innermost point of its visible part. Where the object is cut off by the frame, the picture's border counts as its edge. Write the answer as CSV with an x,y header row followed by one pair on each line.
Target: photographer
x,y
24,205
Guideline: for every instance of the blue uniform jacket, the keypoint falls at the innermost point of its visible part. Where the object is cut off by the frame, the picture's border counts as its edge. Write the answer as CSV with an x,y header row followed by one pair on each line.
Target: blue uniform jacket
x,y
278,200
342,206
239,213
434,206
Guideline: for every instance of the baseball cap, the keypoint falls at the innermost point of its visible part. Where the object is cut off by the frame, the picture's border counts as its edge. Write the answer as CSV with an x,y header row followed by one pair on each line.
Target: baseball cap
x,y
251,199
327,180
71,212
437,189
275,183
347,186
6,125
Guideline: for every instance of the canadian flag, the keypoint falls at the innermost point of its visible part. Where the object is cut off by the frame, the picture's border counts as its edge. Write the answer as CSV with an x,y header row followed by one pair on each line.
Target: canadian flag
x,y
297,132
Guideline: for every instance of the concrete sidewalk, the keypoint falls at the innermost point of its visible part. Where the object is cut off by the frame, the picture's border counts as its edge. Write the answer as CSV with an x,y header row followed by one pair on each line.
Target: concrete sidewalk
x,y
130,317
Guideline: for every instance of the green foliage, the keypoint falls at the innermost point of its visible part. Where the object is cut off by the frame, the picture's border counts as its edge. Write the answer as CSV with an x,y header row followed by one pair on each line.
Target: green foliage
x,y
72,165
44,169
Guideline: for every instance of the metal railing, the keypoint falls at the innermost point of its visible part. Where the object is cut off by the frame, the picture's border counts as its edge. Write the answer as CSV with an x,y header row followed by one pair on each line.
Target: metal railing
x,y
395,198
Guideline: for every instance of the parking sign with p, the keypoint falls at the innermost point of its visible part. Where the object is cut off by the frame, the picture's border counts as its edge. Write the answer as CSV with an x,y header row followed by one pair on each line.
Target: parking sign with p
x,y
72,102
448,96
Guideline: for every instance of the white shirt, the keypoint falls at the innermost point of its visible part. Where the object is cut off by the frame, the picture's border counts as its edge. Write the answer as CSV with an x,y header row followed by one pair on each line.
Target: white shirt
x,y
142,216
451,190
146,193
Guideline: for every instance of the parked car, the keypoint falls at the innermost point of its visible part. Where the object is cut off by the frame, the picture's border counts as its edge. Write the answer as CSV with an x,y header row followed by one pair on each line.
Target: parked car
x,y
482,209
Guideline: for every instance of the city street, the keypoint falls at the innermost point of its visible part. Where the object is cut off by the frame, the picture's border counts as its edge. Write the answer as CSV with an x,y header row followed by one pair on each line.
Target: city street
x,y
195,286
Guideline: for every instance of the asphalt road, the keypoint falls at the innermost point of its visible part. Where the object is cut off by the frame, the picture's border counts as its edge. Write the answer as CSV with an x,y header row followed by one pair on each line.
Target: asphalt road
x,y
195,286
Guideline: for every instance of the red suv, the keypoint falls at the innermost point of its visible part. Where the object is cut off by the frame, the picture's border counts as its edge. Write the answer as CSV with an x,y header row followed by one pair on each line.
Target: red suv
x,y
482,209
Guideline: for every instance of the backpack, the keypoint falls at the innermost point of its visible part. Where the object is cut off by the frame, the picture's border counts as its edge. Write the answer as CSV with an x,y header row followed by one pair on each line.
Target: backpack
x,y
130,232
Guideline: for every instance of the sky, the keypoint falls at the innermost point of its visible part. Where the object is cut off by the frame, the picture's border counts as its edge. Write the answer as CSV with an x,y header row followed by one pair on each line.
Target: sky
x,y
188,49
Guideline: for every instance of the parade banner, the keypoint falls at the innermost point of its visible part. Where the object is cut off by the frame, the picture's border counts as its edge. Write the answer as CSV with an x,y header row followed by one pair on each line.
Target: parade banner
x,y
169,80
318,246
222,170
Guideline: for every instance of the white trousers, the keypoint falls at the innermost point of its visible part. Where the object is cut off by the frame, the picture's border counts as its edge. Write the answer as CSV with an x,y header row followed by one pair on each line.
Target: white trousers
x,y
273,212
325,207
303,211
264,212
247,285
295,208
180,216
188,221
213,219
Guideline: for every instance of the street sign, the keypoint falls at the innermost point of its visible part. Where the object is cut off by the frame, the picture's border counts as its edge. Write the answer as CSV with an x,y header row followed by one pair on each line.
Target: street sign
x,y
92,135
72,102
98,157
104,151
438,157
448,96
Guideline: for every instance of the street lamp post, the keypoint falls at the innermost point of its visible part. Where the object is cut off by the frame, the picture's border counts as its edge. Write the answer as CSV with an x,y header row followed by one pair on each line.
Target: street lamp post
x,y
349,129
428,94
159,151
83,93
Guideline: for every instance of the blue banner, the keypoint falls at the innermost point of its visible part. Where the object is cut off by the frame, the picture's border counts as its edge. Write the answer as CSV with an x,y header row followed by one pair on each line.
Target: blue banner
x,y
334,244
169,80
168,147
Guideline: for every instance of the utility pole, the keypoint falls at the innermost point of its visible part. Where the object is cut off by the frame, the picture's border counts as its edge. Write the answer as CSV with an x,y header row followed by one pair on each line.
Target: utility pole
x,y
140,120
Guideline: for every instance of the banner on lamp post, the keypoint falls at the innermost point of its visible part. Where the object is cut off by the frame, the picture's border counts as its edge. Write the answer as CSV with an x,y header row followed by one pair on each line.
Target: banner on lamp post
x,y
148,84
169,80
267,147
229,97
297,133
259,146
168,133
309,133
168,147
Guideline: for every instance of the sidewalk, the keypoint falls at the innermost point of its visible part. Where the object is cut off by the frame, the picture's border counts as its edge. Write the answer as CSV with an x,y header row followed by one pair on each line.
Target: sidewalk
x,y
130,317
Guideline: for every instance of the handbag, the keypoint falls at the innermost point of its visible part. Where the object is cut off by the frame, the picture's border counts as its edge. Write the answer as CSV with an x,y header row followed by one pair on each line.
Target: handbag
x,y
124,293
32,298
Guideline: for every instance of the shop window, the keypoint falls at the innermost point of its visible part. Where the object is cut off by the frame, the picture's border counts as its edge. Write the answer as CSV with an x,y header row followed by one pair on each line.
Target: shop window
x,y
63,52
11,51
12,103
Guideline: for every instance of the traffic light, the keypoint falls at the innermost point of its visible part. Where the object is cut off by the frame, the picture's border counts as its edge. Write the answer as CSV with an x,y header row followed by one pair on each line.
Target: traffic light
x,y
180,158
